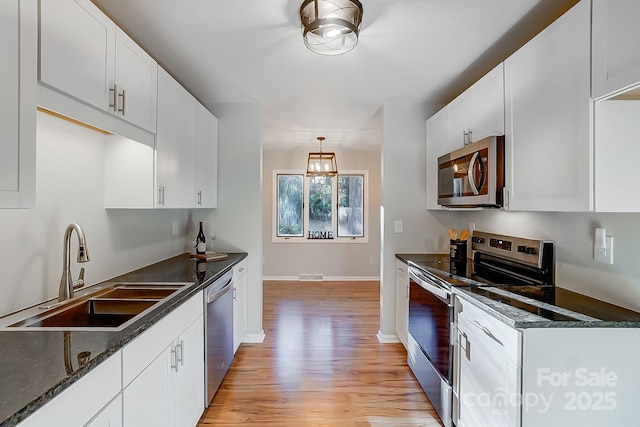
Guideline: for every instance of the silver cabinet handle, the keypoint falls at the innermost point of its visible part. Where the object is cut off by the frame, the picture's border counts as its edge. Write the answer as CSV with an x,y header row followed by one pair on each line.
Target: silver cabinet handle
x,y
466,346
161,196
180,355
487,332
123,96
113,97
174,358
200,197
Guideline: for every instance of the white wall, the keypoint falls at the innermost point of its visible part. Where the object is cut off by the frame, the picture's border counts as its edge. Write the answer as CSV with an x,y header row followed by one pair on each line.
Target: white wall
x,y
69,188
404,199
573,236
336,261
238,219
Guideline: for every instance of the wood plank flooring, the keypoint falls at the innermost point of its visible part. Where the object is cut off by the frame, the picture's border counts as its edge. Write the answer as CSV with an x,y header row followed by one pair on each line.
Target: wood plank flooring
x,y
320,365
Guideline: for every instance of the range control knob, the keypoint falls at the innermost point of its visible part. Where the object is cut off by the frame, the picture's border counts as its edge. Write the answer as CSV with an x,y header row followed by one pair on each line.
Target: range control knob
x,y
522,248
531,250
477,240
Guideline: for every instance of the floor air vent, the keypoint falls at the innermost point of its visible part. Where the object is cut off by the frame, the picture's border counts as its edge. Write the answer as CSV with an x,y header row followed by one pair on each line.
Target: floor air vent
x,y
310,277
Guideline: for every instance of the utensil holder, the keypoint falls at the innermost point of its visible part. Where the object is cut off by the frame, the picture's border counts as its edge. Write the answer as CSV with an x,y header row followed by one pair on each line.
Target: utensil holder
x,y
458,250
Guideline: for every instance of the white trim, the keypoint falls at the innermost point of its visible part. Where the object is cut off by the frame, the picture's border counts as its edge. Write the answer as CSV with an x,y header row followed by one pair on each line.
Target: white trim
x,y
254,338
387,339
326,279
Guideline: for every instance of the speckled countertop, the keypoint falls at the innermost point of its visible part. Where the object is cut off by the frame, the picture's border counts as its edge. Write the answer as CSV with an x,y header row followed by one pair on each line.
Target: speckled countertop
x,y
585,314
33,367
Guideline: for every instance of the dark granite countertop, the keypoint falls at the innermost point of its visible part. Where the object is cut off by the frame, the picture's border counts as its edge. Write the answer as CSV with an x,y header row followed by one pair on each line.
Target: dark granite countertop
x,y
584,311
33,369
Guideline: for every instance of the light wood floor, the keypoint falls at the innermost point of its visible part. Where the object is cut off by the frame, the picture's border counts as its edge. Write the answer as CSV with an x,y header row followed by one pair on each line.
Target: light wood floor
x,y
320,365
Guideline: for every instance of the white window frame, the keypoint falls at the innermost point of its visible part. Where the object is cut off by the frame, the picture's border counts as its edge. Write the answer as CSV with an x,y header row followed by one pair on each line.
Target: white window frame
x,y
334,202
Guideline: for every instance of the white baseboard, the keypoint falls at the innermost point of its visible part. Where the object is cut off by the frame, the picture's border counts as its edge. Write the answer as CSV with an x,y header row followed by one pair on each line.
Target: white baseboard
x,y
387,338
254,338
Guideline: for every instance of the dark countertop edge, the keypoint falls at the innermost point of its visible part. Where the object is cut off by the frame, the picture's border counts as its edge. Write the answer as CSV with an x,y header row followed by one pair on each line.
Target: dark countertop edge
x,y
129,333
406,257
488,306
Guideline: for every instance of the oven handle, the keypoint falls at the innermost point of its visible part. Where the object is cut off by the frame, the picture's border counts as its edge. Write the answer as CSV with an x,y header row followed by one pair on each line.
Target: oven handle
x,y
429,285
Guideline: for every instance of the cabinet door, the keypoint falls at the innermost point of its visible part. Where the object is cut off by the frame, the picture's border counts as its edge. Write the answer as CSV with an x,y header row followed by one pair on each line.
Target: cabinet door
x,y
175,144
459,113
189,376
402,302
616,46
137,83
110,416
488,105
484,381
548,147
206,159
437,145
146,401
18,50
239,304
77,50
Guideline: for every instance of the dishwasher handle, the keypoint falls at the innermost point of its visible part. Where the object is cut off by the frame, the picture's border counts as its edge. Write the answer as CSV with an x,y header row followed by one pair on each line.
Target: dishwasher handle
x,y
212,296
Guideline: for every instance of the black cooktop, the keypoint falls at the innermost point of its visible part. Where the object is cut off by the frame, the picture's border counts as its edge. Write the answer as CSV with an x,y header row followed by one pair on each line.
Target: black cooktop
x,y
462,274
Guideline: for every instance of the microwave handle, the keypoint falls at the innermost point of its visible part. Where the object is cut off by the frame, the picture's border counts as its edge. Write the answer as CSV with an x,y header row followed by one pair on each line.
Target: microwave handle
x,y
472,181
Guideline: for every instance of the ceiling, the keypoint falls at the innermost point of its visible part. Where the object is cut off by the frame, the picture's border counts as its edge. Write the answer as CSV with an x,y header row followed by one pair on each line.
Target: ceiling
x,y
417,51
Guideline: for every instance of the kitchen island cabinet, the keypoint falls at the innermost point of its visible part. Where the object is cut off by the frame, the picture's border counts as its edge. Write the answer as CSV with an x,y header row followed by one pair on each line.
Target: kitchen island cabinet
x,y
548,141
18,76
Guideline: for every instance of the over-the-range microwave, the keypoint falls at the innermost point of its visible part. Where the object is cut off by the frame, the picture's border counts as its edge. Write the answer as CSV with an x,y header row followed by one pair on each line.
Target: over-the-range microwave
x,y
473,176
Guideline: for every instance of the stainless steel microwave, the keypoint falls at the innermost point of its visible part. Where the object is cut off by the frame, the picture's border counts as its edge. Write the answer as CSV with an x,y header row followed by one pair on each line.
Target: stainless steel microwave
x,y
473,176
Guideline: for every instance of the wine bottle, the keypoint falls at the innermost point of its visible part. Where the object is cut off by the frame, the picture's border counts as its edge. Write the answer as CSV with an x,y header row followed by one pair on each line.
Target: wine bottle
x,y
201,242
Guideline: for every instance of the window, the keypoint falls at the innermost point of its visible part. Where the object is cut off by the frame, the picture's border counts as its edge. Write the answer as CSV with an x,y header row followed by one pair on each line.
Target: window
x,y
320,209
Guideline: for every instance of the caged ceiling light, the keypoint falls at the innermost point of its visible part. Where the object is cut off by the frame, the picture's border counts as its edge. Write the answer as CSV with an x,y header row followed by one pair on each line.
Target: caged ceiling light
x,y
321,163
331,27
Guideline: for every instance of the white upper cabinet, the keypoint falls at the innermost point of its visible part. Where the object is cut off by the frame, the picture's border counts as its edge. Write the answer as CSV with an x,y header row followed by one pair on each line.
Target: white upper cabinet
x,y
473,115
616,46
437,145
85,55
548,146
175,144
488,105
18,71
136,80
206,159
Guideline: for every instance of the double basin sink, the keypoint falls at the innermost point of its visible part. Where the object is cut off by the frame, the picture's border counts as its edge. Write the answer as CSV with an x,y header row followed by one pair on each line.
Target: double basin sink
x,y
113,306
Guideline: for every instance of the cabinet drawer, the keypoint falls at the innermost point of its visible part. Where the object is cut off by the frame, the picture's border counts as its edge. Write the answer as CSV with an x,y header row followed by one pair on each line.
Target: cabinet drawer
x,y
401,269
139,353
239,269
486,326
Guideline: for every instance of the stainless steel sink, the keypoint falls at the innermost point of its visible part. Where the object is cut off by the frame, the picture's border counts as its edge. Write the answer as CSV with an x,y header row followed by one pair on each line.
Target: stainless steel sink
x,y
112,307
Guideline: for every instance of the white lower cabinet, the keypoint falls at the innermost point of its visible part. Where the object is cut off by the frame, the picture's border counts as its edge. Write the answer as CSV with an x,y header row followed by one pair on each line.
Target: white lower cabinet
x,y
78,404
532,377
239,303
402,302
163,370
110,416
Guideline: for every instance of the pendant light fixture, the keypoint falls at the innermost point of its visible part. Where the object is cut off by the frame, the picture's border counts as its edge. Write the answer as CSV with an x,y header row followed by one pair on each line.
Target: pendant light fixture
x,y
321,163
331,27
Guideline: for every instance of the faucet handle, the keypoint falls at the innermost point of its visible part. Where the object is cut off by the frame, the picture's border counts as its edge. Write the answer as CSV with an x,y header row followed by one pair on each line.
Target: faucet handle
x,y
80,282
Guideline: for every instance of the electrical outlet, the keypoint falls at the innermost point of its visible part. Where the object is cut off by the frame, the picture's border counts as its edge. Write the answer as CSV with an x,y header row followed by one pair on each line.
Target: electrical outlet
x,y
398,226
603,247
174,228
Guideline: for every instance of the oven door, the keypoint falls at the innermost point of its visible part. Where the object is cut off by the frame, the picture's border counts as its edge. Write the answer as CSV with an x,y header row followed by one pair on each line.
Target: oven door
x,y
430,317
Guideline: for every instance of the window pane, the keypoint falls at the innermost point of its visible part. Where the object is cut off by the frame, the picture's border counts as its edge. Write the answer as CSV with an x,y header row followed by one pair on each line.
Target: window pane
x,y
350,202
290,205
320,218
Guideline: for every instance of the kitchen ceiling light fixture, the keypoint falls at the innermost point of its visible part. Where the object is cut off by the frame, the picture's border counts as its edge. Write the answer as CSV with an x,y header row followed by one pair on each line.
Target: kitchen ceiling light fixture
x,y
321,163
331,27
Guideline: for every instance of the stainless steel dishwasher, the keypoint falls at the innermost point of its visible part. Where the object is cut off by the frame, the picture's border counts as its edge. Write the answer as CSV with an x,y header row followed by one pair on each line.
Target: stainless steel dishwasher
x,y
218,335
